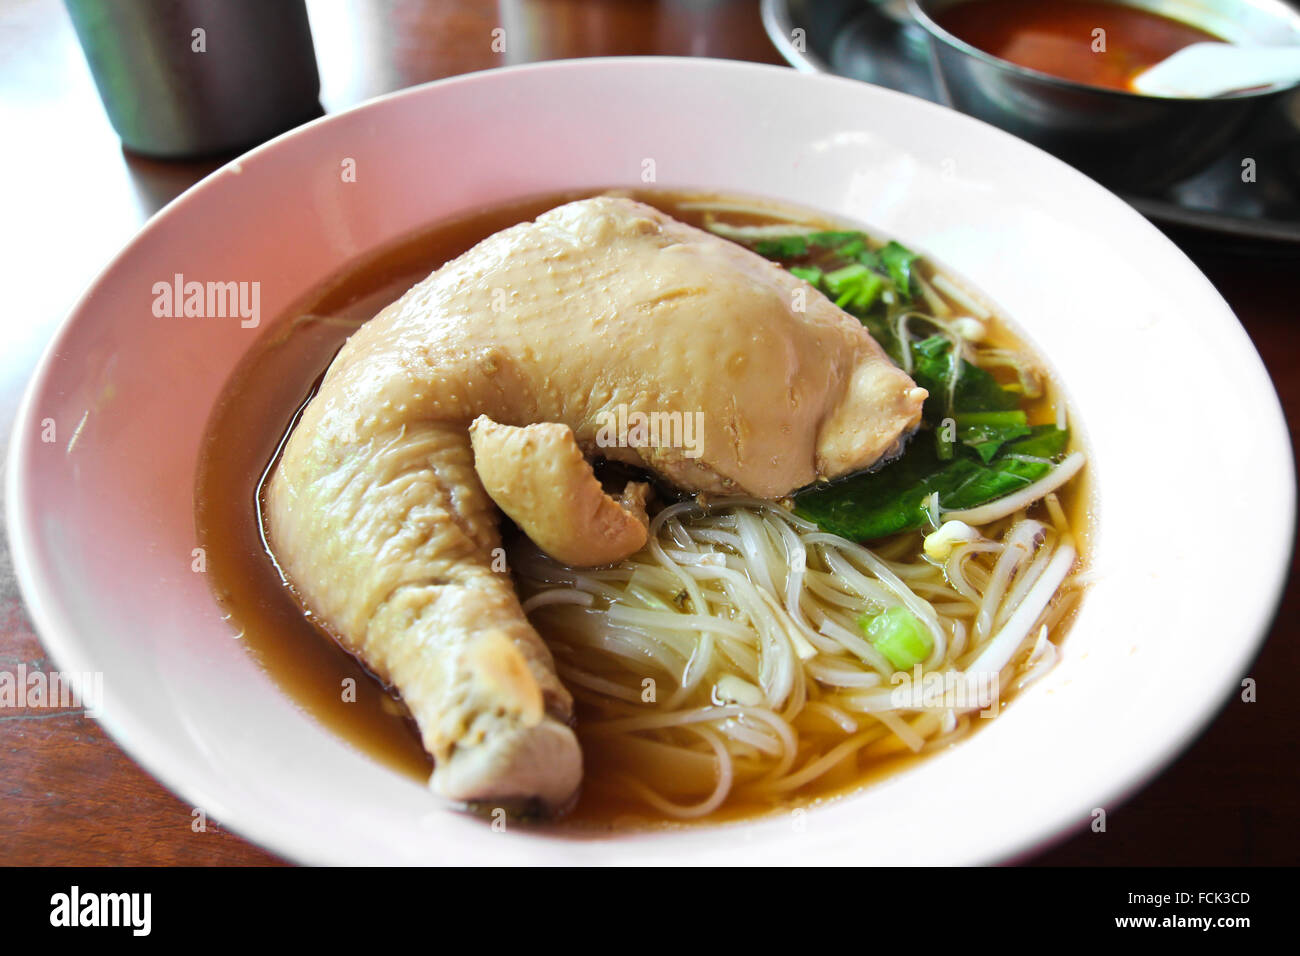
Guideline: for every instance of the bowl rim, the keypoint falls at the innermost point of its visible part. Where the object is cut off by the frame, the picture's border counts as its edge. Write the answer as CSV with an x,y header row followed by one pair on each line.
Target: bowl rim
x,y
936,32
60,640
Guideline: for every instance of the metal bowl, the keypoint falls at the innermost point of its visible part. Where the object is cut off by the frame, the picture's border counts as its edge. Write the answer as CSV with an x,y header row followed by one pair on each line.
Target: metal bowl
x,y
1125,140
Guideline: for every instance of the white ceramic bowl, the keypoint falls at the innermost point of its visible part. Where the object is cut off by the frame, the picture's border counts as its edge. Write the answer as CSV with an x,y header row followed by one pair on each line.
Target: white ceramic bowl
x,y
1189,457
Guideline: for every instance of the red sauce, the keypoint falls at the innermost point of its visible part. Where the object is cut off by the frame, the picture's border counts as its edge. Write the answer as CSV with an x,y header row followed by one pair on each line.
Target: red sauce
x,y
1058,37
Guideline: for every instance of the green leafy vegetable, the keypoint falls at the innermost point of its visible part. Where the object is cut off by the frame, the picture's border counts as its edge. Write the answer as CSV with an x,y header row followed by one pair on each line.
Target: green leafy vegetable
x,y
899,635
1043,441
853,248
834,237
898,260
991,419
933,368
871,259
854,285
844,265
877,504
985,440
810,274
985,432
797,246
985,414
783,247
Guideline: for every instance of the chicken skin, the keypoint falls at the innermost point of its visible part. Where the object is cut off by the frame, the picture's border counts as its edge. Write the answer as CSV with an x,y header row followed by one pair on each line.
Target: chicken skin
x,y
491,384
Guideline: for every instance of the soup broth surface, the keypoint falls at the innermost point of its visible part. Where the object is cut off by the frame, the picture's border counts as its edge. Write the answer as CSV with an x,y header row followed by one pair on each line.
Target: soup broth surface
x,y
1100,44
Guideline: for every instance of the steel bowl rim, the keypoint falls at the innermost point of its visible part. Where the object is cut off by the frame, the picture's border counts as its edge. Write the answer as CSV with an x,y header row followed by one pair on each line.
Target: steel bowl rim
x,y
779,24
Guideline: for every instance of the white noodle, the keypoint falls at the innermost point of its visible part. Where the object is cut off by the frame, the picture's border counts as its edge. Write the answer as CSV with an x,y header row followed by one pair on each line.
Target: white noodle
x,y
746,588
557,596
996,510
935,301
998,652
958,295
833,714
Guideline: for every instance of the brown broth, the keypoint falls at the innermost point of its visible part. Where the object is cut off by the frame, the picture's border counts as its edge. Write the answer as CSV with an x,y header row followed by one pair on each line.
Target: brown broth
x,y
246,429
1057,37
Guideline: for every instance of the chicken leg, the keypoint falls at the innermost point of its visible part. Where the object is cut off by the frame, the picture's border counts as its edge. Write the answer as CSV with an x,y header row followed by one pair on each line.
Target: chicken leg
x,y
560,332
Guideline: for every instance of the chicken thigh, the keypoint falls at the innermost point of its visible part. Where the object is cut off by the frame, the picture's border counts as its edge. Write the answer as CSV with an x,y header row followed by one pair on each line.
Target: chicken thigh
x,y
556,340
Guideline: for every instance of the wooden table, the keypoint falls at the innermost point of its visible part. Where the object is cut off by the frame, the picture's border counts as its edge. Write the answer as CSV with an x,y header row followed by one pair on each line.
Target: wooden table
x,y
72,198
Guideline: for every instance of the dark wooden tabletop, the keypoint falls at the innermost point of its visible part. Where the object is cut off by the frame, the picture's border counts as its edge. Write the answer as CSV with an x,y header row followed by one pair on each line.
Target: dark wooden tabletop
x,y
71,198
